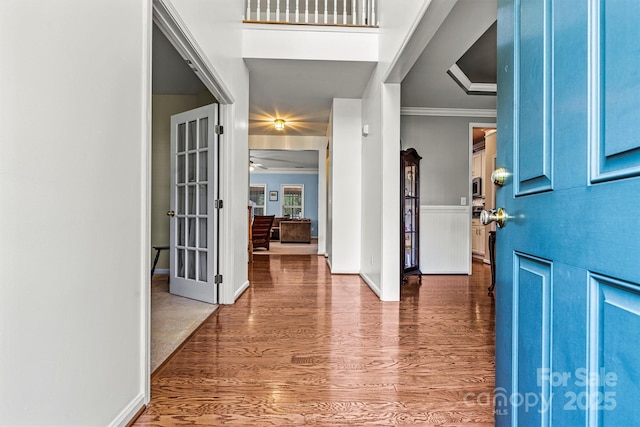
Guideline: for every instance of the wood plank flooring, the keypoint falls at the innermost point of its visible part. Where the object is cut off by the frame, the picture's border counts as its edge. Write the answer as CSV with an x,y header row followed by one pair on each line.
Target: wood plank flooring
x,y
303,347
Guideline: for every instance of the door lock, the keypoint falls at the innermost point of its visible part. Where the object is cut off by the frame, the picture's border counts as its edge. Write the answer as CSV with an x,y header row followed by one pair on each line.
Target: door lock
x,y
499,216
499,176
171,213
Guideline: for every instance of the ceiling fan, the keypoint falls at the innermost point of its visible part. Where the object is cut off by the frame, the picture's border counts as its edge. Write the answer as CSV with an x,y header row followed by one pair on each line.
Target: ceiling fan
x,y
255,165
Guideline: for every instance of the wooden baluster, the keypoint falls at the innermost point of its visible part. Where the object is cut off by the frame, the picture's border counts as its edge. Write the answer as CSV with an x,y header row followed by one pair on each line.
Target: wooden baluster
x,y
326,11
373,13
316,21
344,11
258,11
277,10
354,13
297,11
268,11
248,18
306,11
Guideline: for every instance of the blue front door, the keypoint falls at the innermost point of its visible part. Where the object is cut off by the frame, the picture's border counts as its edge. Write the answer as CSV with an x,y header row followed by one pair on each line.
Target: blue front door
x,y
568,257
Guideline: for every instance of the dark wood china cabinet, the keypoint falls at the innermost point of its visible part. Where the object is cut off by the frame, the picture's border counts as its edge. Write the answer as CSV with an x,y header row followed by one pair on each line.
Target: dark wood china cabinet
x,y
410,215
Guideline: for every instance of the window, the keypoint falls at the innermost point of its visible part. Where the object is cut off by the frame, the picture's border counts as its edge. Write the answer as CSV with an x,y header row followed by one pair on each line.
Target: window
x,y
257,198
293,201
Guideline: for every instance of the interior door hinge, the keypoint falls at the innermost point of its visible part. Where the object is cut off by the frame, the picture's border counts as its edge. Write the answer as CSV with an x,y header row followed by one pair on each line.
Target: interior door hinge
x,y
217,279
217,204
219,130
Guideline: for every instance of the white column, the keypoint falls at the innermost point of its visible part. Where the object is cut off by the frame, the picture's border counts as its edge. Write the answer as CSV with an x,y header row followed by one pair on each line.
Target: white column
x,y
268,12
297,11
277,11
344,11
258,10
286,14
335,11
248,18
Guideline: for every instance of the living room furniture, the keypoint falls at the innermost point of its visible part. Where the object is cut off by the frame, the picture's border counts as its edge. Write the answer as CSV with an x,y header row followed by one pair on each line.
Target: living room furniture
x,y
261,231
295,231
410,205
158,249
275,229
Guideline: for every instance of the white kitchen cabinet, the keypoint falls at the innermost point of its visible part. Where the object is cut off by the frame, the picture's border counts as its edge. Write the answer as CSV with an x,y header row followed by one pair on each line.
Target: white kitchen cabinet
x,y
477,165
478,236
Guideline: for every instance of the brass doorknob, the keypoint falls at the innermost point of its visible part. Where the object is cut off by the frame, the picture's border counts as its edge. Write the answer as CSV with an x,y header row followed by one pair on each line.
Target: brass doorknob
x,y
499,216
499,176
171,213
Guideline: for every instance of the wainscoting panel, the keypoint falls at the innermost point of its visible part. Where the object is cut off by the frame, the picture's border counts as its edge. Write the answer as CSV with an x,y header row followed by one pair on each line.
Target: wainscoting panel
x,y
445,239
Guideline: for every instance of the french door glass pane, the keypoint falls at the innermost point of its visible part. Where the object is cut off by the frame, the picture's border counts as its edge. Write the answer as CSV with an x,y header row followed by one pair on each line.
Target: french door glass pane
x,y
191,200
180,176
202,243
191,264
181,137
181,202
191,167
180,263
204,129
203,266
191,232
191,137
202,165
202,210
180,232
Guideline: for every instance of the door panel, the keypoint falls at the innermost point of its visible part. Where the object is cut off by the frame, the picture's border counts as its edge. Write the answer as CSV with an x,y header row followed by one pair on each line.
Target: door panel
x,y
194,185
568,258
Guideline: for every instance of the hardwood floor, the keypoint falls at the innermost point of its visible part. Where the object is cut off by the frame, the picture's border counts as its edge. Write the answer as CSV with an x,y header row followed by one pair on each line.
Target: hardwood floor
x,y
302,347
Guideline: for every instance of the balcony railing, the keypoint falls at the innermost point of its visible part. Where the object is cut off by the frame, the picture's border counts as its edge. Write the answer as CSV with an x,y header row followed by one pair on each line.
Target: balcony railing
x,y
361,13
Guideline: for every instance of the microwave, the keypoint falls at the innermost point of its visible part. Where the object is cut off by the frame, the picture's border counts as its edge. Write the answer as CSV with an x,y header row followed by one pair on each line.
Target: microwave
x,y
476,187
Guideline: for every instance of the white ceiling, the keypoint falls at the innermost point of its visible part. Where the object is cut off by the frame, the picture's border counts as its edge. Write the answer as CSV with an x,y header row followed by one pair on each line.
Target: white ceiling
x,y
284,160
427,84
300,92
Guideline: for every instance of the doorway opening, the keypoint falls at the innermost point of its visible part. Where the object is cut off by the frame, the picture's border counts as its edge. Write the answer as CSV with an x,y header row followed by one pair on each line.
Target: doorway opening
x,y
483,162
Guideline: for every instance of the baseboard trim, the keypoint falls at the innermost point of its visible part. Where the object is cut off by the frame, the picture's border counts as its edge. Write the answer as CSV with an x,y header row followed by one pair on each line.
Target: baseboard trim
x,y
240,290
130,413
136,416
372,285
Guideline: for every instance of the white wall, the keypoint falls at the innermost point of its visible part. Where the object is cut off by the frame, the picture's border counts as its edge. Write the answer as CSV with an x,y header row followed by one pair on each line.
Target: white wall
x,y
443,143
216,26
74,179
345,193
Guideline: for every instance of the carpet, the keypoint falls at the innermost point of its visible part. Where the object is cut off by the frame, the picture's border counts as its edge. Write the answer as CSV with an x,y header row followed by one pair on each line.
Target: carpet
x,y
173,319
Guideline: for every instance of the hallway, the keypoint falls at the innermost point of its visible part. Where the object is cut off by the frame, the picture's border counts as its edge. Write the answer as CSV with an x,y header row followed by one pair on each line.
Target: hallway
x,y
303,347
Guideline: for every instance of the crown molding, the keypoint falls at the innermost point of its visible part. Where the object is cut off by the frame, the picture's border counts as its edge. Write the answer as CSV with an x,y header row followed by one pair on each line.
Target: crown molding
x,y
470,87
447,112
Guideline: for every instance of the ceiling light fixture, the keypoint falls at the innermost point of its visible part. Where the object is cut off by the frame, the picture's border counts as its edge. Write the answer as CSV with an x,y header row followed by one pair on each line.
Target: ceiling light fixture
x,y
279,124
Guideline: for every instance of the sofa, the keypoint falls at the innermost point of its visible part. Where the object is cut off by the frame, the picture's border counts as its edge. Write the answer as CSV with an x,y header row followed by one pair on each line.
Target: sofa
x,y
295,231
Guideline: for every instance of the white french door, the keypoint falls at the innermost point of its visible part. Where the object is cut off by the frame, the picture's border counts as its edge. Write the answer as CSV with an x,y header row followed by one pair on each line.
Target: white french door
x,y
194,215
